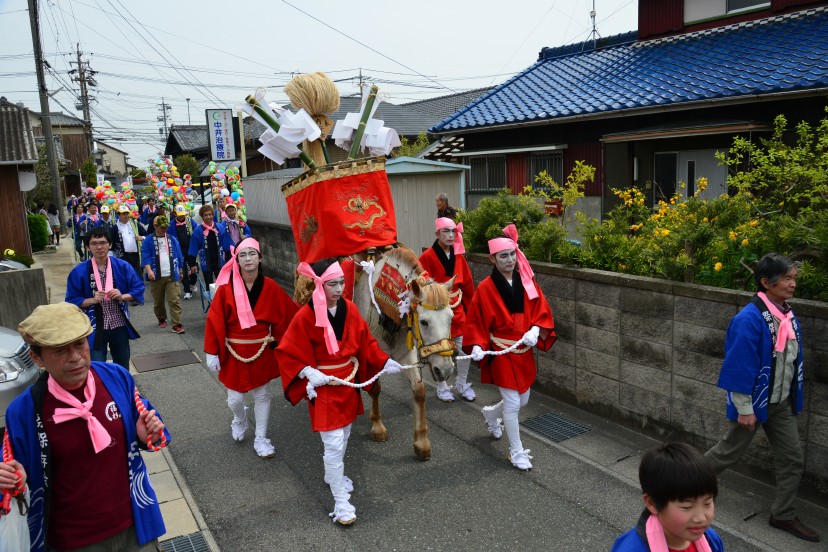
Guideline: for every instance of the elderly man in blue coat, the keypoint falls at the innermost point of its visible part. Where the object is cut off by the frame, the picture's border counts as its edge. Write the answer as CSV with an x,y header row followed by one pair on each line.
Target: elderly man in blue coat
x,y
164,268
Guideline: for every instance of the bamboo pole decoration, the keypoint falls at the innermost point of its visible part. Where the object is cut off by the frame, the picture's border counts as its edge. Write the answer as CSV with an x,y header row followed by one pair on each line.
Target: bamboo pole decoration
x,y
360,131
265,114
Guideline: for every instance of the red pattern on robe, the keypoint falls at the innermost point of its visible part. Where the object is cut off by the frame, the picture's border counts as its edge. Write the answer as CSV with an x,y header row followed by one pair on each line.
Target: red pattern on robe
x,y
487,315
349,270
463,282
274,310
335,406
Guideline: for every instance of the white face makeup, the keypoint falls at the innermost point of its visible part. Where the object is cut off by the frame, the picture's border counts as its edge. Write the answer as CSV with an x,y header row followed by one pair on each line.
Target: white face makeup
x,y
505,262
248,259
333,290
446,237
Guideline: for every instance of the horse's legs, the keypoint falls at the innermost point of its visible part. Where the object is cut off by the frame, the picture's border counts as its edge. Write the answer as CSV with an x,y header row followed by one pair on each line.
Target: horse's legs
x,y
422,446
378,431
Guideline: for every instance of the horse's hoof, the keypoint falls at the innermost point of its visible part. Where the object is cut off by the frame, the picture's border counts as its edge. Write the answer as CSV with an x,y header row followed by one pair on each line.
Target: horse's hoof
x,y
379,436
422,454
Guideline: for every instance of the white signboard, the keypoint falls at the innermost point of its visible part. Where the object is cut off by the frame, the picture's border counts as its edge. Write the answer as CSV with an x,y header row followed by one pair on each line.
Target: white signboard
x,y
220,130
100,179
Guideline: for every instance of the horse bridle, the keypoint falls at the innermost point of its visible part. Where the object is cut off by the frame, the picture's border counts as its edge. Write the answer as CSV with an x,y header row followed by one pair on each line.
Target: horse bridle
x,y
442,347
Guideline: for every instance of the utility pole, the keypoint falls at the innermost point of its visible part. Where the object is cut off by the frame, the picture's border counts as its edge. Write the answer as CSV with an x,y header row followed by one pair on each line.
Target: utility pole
x,y
164,107
189,121
87,117
45,116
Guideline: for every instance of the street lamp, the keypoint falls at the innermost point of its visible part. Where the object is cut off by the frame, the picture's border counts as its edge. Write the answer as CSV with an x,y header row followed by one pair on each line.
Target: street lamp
x,y
189,122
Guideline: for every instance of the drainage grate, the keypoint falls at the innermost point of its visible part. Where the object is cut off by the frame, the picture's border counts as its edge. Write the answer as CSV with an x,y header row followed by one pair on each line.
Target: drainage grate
x,y
555,427
158,361
193,542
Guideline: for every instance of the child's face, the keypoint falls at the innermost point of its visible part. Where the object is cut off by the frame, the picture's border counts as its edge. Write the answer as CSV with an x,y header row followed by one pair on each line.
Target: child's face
x,y
684,521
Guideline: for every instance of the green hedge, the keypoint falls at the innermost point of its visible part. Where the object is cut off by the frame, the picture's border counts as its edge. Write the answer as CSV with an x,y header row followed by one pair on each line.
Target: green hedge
x,y
38,232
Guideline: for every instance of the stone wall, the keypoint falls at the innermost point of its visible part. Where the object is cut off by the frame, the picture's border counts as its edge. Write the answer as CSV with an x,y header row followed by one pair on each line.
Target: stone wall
x,y
646,353
21,291
643,352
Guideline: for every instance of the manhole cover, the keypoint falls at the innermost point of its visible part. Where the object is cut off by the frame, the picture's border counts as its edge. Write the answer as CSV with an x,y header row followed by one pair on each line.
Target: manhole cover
x,y
147,363
193,542
555,427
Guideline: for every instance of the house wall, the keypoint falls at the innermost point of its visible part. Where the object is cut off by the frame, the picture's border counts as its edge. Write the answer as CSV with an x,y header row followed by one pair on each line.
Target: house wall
x,y
646,353
14,229
21,291
75,144
114,159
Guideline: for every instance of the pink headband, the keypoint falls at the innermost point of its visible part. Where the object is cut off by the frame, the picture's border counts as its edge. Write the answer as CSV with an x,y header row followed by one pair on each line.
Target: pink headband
x,y
246,318
445,222
320,305
526,274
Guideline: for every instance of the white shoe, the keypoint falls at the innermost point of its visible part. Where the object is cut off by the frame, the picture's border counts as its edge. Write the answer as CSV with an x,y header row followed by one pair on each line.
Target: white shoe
x,y
264,448
466,392
494,421
347,483
520,459
343,514
444,394
188,295
238,428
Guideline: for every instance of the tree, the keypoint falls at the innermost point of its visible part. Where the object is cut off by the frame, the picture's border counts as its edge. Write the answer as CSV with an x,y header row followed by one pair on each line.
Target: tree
x,y
187,164
89,172
411,149
42,192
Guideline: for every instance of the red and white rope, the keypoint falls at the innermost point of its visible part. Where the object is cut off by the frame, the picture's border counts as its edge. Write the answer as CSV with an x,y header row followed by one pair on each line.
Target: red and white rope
x,y
20,488
139,404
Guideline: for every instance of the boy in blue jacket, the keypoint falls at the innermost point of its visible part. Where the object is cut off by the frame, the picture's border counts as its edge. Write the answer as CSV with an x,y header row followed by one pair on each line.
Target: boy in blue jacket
x,y
680,487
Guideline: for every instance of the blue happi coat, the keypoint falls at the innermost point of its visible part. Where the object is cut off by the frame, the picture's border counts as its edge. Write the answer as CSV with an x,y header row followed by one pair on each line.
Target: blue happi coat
x,y
748,366
635,540
224,234
31,448
198,247
81,285
149,256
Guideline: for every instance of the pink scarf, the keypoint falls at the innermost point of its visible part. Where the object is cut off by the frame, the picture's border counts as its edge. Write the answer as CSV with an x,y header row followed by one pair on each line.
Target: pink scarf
x,y
100,437
320,305
208,229
245,312
658,542
786,330
445,222
526,274
108,285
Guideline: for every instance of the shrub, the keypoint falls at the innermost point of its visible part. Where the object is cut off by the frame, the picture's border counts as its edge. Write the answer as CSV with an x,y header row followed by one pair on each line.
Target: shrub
x,y
38,232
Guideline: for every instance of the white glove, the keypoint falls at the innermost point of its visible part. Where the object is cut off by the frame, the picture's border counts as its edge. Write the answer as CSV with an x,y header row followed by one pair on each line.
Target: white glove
x,y
392,366
213,363
314,376
477,353
530,338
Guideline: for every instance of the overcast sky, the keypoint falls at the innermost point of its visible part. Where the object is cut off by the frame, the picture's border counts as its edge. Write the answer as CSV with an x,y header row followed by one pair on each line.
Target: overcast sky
x,y
215,53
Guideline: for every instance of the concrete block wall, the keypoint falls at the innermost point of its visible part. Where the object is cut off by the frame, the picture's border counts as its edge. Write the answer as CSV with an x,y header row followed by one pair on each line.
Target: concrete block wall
x,y
21,291
643,352
646,353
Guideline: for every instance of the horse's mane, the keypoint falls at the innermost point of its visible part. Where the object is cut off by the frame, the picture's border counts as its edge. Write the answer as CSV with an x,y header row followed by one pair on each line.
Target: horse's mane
x,y
405,259
435,294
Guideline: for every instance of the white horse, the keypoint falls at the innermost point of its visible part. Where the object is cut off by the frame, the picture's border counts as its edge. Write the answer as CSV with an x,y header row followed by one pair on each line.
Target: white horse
x,y
423,336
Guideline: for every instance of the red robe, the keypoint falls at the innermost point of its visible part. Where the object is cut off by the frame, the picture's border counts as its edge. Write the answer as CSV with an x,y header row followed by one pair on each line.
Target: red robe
x,y
274,309
335,406
488,314
464,282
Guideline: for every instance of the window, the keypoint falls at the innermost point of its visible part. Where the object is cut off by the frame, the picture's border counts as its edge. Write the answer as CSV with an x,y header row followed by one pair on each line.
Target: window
x,y
739,5
487,173
551,162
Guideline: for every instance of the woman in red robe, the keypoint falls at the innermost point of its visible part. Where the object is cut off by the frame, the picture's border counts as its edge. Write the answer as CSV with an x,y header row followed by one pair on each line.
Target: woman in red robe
x,y
444,261
328,337
508,307
247,319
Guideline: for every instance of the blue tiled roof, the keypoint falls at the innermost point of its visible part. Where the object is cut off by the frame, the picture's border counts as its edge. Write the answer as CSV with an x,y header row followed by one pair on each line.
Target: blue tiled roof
x,y
778,54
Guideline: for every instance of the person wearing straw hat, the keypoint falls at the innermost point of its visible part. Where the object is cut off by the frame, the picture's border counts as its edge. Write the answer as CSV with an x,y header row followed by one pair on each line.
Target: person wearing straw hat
x,y
235,229
206,245
181,228
163,264
444,261
78,433
126,239
103,286
246,321
508,306
160,211
328,337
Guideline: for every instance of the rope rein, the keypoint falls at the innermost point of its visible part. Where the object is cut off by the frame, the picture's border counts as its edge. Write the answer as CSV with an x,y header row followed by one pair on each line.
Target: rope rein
x,y
311,389
139,404
19,489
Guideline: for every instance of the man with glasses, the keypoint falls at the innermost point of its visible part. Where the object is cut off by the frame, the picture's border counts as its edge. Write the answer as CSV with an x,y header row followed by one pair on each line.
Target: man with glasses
x,y
103,286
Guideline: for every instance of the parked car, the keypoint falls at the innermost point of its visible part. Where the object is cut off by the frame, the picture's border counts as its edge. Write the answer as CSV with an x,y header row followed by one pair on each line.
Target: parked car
x,y
17,369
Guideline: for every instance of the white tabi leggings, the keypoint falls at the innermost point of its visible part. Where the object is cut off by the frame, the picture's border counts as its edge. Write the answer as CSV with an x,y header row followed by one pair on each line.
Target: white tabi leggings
x,y
512,403
261,407
462,366
335,443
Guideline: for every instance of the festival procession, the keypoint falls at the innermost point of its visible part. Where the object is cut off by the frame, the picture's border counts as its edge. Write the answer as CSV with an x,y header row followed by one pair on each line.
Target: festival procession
x,y
316,357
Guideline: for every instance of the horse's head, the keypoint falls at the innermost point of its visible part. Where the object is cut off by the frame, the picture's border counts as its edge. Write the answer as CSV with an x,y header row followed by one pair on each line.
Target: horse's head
x,y
430,324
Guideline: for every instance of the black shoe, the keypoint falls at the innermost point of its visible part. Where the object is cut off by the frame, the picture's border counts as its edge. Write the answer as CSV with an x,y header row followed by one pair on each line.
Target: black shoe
x,y
795,528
